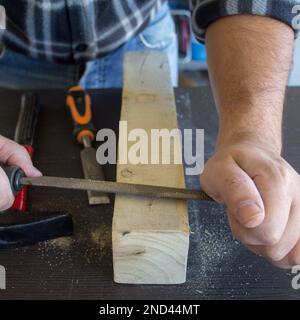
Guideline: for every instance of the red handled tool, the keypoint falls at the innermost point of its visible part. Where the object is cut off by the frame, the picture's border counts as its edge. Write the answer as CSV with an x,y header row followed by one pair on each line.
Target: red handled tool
x,y
24,134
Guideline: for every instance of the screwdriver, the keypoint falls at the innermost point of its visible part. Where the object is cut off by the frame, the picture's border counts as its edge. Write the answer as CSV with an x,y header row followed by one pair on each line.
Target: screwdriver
x,y
79,103
17,180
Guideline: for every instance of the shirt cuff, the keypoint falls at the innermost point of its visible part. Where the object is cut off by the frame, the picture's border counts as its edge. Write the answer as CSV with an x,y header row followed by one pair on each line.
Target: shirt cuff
x,y
205,12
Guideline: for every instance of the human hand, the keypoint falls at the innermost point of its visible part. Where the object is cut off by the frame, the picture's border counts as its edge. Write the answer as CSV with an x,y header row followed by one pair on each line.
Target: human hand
x,y
261,192
12,153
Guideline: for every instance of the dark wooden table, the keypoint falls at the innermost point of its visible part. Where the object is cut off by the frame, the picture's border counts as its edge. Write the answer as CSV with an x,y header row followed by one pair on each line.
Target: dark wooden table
x,y
81,267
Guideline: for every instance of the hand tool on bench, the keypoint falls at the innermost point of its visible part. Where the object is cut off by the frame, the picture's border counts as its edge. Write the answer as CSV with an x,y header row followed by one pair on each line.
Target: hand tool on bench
x,y
79,103
24,134
18,180
18,229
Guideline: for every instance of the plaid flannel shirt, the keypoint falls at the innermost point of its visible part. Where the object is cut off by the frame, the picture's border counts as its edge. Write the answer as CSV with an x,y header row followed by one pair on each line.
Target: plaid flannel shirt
x,y
70,31
204,12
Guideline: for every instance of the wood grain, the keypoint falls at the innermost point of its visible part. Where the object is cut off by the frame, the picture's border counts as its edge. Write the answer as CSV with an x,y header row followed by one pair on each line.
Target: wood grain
x,y
150,236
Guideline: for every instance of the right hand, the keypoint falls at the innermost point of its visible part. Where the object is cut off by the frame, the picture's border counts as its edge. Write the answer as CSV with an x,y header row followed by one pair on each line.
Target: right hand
x,y
260,190
12,153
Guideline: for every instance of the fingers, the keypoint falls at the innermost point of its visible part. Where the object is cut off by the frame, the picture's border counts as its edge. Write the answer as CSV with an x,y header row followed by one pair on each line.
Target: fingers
x,y
21,158
277,199
277,205
229,184
275,189
6,195
14,154
260,191
279,253
258,207
292,259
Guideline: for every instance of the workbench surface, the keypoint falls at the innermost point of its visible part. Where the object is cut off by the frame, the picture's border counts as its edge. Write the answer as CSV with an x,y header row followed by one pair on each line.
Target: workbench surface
x,y
81,267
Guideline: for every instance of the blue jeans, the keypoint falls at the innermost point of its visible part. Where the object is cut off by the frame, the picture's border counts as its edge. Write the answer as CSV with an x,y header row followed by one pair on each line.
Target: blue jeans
x,y
20,72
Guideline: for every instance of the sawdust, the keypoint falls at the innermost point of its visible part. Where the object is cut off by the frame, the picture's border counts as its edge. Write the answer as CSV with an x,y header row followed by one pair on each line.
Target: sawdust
x,y
56,252
92,246
212,249
99,245
63,242
212,246
102,236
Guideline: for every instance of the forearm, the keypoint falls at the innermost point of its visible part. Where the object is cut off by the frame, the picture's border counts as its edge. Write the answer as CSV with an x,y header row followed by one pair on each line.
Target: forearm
x,y
249,58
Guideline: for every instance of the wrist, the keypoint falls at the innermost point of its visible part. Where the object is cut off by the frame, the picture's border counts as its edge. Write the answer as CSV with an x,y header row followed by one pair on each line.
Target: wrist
x,y
251,124
270,143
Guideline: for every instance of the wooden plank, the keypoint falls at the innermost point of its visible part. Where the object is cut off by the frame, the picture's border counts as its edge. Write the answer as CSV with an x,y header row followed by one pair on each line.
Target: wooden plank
x,y
150,236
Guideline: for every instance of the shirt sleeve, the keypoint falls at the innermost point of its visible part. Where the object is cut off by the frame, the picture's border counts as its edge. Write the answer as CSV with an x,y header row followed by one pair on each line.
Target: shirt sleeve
x,y
205,12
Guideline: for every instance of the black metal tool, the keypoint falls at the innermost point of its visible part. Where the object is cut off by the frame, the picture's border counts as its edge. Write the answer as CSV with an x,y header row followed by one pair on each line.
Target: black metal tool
x,y
24,134
17,180
18,229
22,229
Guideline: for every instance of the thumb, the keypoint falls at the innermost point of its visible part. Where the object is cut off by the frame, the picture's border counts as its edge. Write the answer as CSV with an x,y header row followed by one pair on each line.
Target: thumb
x,y
22,159
30,170
238,191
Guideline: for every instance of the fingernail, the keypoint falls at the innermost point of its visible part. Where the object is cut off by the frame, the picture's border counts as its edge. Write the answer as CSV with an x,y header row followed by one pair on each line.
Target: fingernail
x,y
35,172
249,214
